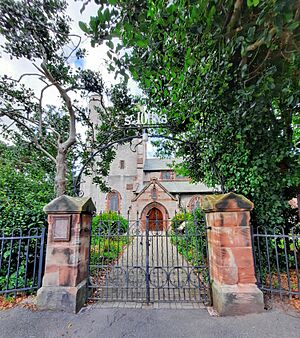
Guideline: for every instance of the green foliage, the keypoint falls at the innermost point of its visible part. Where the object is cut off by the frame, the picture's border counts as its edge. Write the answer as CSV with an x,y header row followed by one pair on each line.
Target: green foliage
x,y
109,237
110,223
227,77
39,31
277,254
107,250
189,235
179,218
26,186
24,25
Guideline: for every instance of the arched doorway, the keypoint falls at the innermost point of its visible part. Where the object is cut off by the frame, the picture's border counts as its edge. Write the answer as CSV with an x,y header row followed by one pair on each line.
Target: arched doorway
x,y
155,217
158,214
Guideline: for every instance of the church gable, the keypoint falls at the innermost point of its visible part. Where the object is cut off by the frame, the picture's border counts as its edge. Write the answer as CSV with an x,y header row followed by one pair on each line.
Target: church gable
x,y
154,191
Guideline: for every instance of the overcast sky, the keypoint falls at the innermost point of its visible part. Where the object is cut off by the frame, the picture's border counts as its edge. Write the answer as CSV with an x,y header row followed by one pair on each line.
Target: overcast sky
x,y
95,59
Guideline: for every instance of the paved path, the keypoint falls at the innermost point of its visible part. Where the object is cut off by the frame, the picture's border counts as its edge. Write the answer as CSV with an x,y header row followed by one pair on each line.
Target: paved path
x,y
172,278
95,322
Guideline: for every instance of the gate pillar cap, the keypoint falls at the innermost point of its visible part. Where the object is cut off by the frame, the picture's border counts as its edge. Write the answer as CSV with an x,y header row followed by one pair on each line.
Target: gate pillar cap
x,y
70,205
226,202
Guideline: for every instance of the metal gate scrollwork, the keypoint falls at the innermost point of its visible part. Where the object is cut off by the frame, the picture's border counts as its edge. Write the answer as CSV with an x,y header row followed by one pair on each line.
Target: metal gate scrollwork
x,y
132,261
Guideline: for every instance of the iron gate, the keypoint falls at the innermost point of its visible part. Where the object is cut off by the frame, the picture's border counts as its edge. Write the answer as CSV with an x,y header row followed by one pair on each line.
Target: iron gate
x,y
132,261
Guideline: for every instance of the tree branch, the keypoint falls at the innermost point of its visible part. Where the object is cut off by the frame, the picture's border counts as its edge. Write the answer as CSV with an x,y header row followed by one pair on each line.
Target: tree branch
x,y
260,42
28,74
41,106
72,129
34,137
235,15
7,113
253,74
75,46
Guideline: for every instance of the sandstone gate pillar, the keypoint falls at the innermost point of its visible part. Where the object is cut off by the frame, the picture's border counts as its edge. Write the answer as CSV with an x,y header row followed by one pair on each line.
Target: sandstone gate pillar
x,y
234,291
66,269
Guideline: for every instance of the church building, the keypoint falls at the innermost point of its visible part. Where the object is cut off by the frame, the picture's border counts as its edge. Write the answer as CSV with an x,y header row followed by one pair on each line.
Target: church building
x,y
142,186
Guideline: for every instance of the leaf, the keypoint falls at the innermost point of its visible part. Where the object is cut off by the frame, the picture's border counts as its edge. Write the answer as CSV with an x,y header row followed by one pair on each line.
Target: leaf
x,y
93,23
106,14
110,44
83,26
293,26
253,3
142,43
119,47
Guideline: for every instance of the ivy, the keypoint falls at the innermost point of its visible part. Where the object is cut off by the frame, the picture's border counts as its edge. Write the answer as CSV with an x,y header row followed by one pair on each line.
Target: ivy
x,y
226,74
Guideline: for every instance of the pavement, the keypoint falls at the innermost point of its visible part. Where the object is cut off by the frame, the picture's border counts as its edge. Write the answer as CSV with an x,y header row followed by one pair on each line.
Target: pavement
x,y
109,322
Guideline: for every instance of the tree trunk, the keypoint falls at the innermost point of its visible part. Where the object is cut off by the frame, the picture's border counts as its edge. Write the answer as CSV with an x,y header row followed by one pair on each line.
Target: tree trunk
x,y
61,170
298,202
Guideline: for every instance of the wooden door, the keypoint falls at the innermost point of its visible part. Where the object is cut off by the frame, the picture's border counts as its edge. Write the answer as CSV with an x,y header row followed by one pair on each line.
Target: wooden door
x,y
155,220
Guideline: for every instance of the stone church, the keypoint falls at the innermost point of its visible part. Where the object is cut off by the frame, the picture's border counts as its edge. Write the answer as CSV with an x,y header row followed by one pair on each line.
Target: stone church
x,y
142,186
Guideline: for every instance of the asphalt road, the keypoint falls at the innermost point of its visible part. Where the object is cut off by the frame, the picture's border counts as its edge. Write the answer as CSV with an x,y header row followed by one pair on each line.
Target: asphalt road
x,y
142,323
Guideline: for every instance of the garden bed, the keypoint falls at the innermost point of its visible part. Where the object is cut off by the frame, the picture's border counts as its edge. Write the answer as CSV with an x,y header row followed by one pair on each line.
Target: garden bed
x,y
279,296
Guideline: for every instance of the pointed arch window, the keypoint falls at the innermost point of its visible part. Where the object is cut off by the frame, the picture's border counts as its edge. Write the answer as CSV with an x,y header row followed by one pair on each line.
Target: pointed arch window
x,y
194,203
113,201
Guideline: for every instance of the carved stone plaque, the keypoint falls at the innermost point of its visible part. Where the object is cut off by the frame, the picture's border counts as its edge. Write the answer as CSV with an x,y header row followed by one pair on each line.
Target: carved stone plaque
x,y
61,228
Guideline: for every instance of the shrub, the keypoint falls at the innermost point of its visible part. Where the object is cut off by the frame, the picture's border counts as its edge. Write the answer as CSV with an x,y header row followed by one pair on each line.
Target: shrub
x,y
109,223
108,237
191,239
26,186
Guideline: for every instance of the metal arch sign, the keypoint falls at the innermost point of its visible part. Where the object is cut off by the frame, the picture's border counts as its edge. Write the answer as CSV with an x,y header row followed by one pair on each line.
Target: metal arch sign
x,y
145,118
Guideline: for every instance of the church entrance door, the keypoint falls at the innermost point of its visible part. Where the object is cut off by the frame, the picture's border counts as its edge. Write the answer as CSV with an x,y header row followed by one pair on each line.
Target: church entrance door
x,y
155,220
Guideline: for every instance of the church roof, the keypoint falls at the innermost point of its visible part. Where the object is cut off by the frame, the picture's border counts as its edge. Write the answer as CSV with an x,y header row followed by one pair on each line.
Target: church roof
x,y
155,164
152,182
186,187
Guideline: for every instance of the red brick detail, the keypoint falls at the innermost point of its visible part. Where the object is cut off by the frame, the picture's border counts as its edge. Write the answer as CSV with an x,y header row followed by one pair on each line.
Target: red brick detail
x,y
223,256
51,268
68,275
67,262
86,221
193,202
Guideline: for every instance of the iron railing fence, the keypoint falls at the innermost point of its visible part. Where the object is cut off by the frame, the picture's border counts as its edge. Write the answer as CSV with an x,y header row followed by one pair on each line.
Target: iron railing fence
x,y
149,260
21,260
277,260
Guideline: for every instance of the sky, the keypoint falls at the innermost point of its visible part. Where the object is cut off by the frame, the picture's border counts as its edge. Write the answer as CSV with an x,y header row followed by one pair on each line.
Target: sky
x,y
95,60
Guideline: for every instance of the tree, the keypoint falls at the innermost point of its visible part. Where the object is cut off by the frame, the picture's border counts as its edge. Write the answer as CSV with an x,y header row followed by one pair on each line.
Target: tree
x,y
26,185
226,73
39,31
